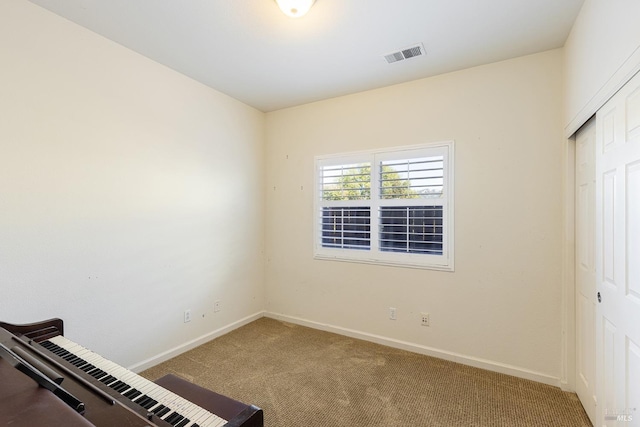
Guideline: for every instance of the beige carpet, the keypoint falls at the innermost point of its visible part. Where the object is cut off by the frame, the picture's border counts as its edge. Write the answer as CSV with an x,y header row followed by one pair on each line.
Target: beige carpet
x,y
304,377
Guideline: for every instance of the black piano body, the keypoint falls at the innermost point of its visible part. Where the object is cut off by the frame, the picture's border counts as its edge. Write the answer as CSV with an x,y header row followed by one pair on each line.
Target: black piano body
x,y
24,403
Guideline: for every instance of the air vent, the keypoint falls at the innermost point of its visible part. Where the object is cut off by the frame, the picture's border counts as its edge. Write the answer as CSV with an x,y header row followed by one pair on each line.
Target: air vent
x,y
406,53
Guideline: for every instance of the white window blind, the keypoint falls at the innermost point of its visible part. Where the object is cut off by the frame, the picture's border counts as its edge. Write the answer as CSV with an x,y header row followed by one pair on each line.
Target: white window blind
x,y
346,182
387,206
412,229
346,227
420,177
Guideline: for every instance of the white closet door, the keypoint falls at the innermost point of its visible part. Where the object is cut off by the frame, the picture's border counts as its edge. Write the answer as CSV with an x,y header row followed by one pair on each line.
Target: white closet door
x,y
618,258
585,268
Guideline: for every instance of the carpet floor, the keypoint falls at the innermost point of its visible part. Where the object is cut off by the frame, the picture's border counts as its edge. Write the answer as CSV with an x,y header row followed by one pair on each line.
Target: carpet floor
x,y
304,377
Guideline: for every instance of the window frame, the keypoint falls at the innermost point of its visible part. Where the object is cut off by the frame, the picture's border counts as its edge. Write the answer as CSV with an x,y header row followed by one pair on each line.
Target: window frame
x,y
374,255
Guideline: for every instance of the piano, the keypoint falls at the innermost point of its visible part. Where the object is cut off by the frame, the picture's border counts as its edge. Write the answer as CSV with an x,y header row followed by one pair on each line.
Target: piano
x,y
48,380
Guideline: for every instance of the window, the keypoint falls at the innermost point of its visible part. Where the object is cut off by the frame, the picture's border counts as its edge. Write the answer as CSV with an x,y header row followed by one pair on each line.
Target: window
x,y
387,206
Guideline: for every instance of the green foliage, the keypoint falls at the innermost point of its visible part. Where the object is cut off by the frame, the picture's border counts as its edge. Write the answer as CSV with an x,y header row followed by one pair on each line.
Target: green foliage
x,y
357,186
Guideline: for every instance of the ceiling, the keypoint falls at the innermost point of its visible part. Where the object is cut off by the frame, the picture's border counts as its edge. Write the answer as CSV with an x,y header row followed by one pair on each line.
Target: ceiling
x,y
251,51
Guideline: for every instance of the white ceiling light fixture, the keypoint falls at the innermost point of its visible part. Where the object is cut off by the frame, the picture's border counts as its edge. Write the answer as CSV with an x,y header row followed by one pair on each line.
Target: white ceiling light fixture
x,y
295,8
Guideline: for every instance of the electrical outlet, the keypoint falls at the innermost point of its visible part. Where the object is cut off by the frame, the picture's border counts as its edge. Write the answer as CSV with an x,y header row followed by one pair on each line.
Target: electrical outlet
x,y
424,319
392,313
217,306
187,316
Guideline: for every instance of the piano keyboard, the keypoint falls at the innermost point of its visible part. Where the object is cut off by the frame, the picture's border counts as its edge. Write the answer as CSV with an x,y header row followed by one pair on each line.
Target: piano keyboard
x,y
166,405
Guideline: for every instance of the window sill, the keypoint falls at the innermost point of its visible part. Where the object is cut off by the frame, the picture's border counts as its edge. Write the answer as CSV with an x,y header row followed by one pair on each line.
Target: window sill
x,y
387,263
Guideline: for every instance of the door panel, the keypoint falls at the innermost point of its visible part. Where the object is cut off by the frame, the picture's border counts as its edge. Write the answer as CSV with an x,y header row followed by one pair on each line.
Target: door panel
x,y
633,230
608,220
633,115
633,373
618,258
609,368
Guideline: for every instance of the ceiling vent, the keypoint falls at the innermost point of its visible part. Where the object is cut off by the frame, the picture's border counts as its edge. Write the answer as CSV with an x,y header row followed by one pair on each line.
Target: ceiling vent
x,y
406,53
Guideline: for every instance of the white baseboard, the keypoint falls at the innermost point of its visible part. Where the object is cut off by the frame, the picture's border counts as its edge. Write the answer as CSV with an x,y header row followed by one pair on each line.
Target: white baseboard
x,y
421,349
565,386
390,342
148,363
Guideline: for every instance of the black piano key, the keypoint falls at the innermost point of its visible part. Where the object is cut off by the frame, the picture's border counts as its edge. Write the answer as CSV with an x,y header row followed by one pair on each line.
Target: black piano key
x,y
175,418
123,388
112,383
142,400
149,403
71,358
116,384
132,393
50,346
108,379
164,411
126,387
98,374
95,372
78,363
157,409
171,418
119,386
183,422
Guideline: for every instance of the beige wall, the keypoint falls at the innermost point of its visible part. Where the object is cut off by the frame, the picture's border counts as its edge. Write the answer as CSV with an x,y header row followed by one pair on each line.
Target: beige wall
x,y
501,308
120,181
128,192
601,54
